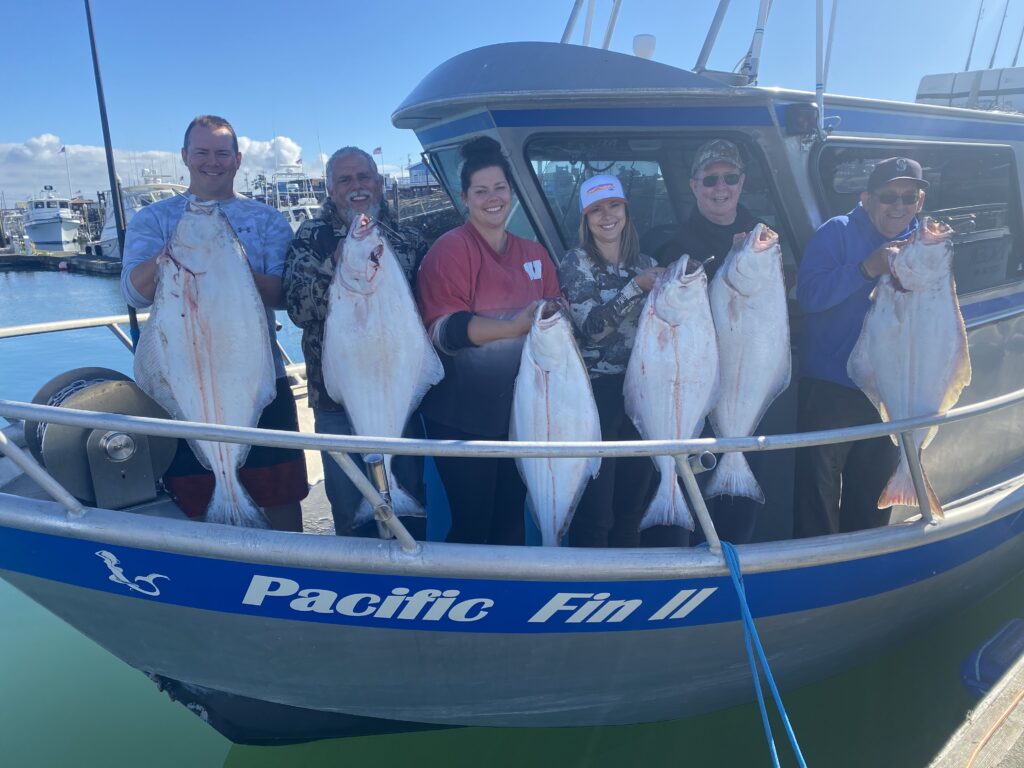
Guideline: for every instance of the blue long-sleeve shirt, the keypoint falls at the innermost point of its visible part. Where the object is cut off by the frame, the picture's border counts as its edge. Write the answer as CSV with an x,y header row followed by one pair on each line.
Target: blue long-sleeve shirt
x,y
833,293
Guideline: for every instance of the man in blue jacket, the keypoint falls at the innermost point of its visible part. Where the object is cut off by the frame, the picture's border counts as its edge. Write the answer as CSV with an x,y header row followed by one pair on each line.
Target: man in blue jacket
x,y
838,485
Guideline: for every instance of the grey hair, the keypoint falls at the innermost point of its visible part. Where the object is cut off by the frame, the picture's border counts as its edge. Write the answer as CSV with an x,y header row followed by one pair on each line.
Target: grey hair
x,y
343,152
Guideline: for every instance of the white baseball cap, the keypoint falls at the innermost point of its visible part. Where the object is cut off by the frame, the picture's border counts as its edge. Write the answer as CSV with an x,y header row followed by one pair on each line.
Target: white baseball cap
x,y
598,188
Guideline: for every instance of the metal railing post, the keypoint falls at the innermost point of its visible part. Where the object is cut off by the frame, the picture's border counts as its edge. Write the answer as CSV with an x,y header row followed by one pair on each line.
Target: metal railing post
x,y
28,465
697,502
916,473
381,509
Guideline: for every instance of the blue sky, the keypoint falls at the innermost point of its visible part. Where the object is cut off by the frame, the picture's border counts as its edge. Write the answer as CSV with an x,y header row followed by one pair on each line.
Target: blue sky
x,y
300,78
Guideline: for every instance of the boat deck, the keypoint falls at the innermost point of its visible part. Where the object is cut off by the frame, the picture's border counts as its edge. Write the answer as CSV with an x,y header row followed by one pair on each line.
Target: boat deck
x,y
993,733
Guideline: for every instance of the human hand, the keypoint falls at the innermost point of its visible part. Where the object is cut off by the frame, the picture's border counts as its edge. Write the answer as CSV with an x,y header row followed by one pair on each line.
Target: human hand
x,y
646,279
524,320
877,263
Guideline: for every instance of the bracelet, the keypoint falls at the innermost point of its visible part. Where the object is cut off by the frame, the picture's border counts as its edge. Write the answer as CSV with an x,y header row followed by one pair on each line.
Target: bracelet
x,y
864,271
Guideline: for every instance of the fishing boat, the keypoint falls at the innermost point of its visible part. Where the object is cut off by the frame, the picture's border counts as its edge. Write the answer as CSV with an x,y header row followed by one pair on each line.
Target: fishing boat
x,y
135,197
418,634
297,196
51,224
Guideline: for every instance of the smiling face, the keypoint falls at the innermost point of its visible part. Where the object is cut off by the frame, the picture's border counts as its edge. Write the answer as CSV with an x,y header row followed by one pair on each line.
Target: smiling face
x,y
718,202
888,210
489,199
212,162
606,220
355,187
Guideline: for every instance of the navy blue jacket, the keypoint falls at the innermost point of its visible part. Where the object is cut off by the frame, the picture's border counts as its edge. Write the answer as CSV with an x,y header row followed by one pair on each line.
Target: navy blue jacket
x,y
833,293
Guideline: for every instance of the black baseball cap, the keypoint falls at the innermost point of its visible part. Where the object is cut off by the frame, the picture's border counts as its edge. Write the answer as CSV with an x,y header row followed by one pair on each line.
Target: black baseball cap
x,y
896,168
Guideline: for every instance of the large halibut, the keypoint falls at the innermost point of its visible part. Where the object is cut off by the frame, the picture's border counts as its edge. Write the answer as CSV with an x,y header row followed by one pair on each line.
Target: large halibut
x,y
748,303
553,402
204,354
672,377
378,360
911,358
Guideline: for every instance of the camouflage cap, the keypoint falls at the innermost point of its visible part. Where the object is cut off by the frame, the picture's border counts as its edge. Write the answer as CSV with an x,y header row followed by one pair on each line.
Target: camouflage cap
x,y
716,151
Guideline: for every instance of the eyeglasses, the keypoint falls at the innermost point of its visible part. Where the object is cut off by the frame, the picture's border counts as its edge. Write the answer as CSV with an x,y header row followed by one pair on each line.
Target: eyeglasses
x,y
732,179
907,198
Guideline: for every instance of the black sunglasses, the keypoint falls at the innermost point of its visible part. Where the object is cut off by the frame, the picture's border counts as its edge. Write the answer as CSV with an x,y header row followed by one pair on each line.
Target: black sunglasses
x,y
907,198
732,179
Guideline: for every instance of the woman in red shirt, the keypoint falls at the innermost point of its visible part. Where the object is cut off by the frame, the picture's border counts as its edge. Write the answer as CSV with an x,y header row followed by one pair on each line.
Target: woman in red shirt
x,y
478,288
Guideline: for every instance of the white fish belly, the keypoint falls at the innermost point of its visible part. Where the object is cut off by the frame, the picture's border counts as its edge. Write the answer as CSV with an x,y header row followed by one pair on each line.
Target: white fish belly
x,y
554,406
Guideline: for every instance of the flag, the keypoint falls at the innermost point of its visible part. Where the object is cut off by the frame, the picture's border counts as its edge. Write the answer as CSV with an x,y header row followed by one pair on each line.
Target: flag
x,y
377,151
62,149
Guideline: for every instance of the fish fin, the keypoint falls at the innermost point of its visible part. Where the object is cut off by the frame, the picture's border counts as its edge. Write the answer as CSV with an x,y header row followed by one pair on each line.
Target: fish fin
x,y
900,490
403,504
668,507
231,505
431,372
733,477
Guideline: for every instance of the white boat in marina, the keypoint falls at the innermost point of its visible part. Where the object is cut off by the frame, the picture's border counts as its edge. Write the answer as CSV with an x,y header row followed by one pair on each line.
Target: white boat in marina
x,y
295,194
135,197
432,633
51,224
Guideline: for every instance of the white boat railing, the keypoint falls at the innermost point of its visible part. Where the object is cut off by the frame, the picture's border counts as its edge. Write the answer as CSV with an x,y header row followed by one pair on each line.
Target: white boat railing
x,y
686,452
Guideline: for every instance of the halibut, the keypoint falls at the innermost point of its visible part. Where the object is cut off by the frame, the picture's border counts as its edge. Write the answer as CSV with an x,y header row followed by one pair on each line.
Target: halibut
x,y
911,358
748,303
553,402
672,377
378,360
204,354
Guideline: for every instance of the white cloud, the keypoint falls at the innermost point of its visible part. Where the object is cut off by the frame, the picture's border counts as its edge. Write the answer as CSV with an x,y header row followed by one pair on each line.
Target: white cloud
x,y
27,167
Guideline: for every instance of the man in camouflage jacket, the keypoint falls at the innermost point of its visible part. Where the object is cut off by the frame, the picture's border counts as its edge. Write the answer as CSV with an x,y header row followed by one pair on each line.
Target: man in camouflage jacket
x,y
354,187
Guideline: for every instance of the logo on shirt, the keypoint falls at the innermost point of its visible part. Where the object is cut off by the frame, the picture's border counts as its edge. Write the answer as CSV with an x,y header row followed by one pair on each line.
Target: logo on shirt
x,y
533,269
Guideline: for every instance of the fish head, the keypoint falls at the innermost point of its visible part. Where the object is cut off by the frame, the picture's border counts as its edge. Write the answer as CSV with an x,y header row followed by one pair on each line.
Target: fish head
x,y
202,225
551,335
926,260
679,290
362,257
754,257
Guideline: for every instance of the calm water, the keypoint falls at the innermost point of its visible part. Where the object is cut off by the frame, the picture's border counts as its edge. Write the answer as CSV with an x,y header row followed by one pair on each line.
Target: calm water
x,y
66,702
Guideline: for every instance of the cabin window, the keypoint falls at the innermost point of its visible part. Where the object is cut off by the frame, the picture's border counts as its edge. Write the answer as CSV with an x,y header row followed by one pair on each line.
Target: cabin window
x,y
655,175
448,163
971,188
51,203
38,205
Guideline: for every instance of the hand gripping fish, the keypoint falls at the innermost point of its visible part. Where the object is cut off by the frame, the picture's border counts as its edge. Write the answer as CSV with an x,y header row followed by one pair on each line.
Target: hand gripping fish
x,y
672,376
378,360
748,303
553,402
204,354
911,358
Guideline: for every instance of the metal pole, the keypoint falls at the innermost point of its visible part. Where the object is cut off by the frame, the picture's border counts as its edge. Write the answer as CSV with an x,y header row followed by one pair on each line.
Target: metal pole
x,y
697,501
41,477
115,187
589,22
914,463
819,84
612,20
381,509
1017,52
999,34
67,169
977,21
828,48
752,61
571,23
709,40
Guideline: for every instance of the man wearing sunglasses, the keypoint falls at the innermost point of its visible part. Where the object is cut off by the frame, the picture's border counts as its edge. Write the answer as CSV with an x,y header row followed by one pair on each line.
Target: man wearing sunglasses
x,y
354,187
837,486
716,180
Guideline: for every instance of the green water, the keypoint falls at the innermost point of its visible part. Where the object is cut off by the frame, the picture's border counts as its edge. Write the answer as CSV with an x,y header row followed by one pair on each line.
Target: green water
x,y
66,702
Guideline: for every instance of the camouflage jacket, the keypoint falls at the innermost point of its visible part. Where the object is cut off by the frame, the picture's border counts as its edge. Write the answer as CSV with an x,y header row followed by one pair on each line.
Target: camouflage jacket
x,y
605,304
307,280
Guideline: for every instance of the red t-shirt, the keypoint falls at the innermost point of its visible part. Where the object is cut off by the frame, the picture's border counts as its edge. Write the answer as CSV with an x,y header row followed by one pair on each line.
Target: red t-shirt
x,y
462,273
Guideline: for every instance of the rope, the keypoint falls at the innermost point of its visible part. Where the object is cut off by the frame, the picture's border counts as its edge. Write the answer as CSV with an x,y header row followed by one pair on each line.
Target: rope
x,y
753,642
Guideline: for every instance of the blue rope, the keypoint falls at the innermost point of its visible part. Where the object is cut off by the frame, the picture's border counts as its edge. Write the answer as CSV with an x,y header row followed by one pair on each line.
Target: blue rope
x,y
753,643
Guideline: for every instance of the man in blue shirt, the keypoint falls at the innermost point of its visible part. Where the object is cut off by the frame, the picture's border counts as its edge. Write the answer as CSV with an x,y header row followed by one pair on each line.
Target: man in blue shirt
x,y
838,485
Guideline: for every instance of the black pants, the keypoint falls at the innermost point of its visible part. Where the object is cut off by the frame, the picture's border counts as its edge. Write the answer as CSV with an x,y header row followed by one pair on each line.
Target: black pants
x,y
838,485
486,496
610,509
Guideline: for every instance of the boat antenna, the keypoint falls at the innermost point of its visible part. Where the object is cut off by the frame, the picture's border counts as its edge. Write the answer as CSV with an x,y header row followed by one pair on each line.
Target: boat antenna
x,y
613,17
115,187
977,21
1019,41
570,25
999,34
828,46
752,61
709,40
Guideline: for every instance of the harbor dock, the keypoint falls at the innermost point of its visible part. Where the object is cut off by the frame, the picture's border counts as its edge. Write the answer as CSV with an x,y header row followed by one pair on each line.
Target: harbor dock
x,y
993,733
63,262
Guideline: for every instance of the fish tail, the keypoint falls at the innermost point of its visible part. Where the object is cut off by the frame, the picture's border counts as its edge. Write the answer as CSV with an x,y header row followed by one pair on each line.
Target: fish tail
x,y
231,505
402,504
668,507
900,490
733,477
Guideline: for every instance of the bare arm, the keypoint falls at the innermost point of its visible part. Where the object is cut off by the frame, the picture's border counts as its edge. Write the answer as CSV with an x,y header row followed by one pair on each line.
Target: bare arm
x,y
482,330
143,278
270,288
